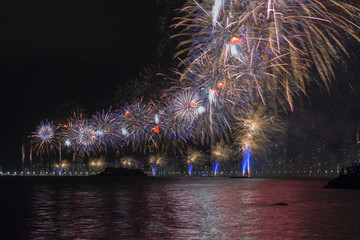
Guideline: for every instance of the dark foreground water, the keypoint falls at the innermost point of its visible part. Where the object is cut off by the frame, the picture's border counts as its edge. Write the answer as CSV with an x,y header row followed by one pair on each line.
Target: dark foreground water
x,y
176,208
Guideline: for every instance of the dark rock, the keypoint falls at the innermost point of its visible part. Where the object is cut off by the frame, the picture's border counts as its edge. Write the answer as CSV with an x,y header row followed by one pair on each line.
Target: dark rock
x,y
345,181
279,204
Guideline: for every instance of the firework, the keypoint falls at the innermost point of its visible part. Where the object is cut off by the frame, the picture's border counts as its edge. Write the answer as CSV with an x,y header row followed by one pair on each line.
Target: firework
x,y
236,56
61,167
267,47
193,157
155,137
220,99
136,122
246,162
186,104
175,133
127,162
214,125
255,133
45,137
214,116
257,130
220,153
67,143
107,128
96,164
82,136
156,161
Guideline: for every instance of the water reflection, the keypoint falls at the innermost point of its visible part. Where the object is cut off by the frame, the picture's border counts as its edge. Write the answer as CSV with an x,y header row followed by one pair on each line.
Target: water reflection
x,y
184,208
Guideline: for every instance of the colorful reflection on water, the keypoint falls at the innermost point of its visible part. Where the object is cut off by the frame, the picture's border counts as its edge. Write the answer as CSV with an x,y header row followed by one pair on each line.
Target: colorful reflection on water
x,y
177,208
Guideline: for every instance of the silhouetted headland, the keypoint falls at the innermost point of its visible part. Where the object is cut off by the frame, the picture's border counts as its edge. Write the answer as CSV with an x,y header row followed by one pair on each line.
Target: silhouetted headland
x,y
347,179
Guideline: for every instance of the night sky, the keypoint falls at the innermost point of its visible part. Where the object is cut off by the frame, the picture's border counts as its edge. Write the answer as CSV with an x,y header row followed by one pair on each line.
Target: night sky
x,y
80,51
75,51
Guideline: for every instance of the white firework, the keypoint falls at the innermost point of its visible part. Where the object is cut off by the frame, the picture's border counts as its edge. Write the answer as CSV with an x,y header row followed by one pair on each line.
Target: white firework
x,y
83,135
45,132
186,105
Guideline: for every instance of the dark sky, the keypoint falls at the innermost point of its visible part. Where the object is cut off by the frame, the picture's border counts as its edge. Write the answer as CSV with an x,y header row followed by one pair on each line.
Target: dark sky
x,y
332,115
80,51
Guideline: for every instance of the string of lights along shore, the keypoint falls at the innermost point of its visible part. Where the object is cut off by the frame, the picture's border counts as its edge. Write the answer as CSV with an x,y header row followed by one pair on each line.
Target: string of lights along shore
x,y
241,64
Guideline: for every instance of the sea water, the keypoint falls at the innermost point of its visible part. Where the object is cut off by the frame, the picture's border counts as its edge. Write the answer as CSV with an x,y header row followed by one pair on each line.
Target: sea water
x,y
176,208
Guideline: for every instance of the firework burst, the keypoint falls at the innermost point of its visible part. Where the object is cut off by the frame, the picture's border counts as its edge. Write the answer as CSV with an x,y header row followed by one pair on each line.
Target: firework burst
x,y
186,104
136,122
82,136
215,123
220,151
267,46
257,130
176,133
107,128
255,133
45,137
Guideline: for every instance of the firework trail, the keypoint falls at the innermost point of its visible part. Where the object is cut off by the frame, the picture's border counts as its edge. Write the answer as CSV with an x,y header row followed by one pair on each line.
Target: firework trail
x,y
22,155
216,10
